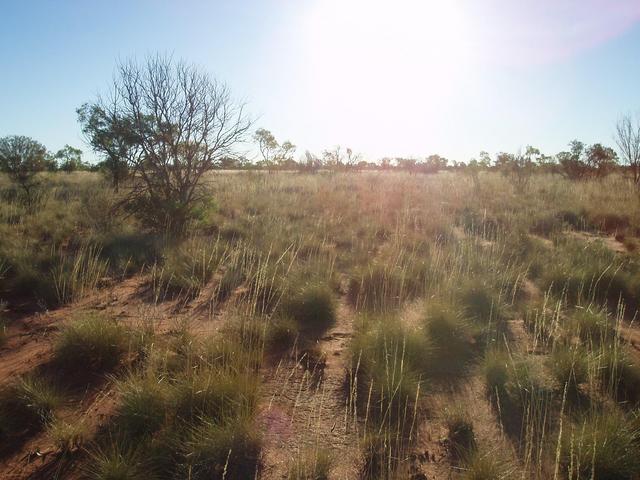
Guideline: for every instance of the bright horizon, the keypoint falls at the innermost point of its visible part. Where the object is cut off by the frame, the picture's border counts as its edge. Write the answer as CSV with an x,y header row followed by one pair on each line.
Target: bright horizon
x,y
403,78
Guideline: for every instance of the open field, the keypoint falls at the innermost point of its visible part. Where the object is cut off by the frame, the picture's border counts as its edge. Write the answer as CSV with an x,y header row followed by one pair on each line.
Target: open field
x,y
375,325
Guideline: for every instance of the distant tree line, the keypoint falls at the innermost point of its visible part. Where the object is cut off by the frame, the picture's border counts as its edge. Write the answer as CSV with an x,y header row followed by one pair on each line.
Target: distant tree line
x,y
165,124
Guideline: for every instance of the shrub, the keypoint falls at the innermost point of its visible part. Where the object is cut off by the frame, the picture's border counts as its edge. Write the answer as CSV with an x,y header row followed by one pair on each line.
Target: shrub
x,y
604,446
92,342
281,334
67,436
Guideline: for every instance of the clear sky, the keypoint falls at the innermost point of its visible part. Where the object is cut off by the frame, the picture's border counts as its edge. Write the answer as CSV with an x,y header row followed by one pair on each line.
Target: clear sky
x,y
386,78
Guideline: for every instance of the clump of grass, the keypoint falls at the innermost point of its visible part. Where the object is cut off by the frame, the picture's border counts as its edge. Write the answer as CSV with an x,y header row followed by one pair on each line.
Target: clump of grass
x,y
315,465
67,436
212,394
593,326
92,342
569,366
461,435
76,276
231,279
619,372
27,405
602,445
452,339
487,466
143,405
391,363
281,335
312,307
188,267
480,302
381,288
496,371
128,253
214,451
119,461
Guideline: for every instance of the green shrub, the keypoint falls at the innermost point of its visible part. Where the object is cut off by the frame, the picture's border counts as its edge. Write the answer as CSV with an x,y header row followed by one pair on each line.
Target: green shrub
x,y
620,373
593,326
119,462
496,371
480,302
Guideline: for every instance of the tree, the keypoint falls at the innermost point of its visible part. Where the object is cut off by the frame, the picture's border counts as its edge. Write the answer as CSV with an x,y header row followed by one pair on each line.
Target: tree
x,y
70,158
600,160
332,158
22,158
571,162
268,146
111,134
176,124
352,159
628,140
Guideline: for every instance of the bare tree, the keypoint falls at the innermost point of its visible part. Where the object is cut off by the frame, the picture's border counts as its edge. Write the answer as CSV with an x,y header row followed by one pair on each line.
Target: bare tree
x,y
180,123
628,140
352,159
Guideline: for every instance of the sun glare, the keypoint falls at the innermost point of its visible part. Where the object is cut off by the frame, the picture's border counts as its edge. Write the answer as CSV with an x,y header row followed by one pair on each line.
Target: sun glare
x,y
409,52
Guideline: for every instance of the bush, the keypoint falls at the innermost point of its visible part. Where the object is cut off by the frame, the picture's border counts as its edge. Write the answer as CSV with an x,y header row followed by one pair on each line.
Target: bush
x,y
91,343
119,462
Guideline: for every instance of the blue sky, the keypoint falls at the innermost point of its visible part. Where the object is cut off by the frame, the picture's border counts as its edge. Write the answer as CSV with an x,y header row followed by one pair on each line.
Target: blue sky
x,y
408,77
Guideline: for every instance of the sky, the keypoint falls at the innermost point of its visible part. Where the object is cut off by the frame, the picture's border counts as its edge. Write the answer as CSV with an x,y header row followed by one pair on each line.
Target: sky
x,y
385,78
